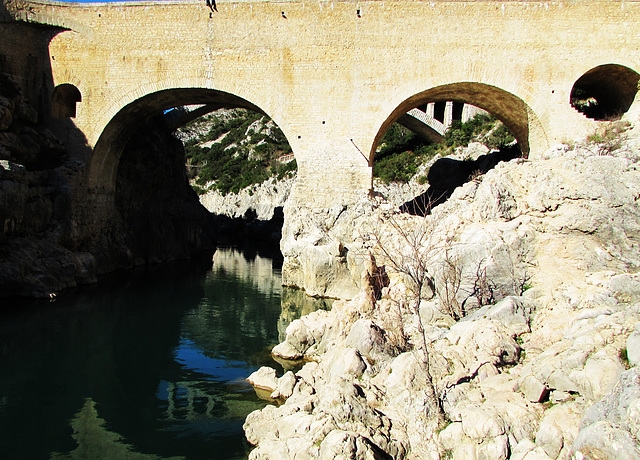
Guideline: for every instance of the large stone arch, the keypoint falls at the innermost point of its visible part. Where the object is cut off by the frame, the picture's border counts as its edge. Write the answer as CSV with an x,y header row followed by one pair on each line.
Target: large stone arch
x,y
103,166
505,106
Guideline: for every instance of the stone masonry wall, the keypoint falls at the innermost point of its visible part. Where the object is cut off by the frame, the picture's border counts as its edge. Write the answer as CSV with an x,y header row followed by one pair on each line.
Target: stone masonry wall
x,y
333,74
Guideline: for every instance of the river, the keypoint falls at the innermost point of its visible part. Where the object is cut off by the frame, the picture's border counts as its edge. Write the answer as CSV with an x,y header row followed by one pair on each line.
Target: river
x,y
149,365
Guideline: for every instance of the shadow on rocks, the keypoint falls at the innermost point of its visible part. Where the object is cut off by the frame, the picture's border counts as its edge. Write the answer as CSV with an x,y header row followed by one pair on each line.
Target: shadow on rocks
x,y
447,174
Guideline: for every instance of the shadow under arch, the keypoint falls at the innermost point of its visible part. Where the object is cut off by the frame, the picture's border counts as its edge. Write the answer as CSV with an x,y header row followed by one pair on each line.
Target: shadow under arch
x,y
506,107
103,166
605,92
64,98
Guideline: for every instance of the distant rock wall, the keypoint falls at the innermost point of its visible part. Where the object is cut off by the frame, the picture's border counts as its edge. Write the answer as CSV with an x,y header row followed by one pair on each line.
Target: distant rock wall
x,y
258,201
162,217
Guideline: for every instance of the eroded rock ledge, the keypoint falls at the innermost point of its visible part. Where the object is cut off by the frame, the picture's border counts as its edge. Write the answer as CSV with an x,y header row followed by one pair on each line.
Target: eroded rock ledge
x,y
545,254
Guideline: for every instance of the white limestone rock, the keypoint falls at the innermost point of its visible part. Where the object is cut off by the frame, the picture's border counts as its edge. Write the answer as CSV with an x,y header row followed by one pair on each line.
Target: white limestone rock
x,y
264,379
480,422
533,389
604,440
285,386
475,343
601,372
609,429
527,450
558,429
316,246
344,363
566,225
305,335
339,445
494,448
495,197
452,436
512,311
261,199
368,338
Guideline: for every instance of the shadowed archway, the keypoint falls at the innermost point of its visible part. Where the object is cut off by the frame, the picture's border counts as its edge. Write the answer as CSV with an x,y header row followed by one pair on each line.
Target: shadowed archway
x,y
605,92
63,101
106,155
448,173
506,107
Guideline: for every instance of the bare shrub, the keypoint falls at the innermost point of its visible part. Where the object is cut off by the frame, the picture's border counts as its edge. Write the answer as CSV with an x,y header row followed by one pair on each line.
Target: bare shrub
x,y
483,288
408,245
609,138
450,279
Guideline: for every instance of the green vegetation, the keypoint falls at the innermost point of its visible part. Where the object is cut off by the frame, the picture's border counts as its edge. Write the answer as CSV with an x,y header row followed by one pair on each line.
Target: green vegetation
x,y
622,354
401,152
239,148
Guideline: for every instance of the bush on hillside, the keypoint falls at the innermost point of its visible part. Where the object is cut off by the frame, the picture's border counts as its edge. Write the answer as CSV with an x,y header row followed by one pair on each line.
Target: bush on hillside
x,y
242,157
401,152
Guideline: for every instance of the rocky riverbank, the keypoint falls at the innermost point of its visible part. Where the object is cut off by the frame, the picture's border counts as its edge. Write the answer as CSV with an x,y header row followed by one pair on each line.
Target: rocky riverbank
x,y
506,324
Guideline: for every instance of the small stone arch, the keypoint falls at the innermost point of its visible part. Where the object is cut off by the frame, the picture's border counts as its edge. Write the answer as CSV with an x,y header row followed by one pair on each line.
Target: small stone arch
x,y
64,99
605,92
508,108
103,166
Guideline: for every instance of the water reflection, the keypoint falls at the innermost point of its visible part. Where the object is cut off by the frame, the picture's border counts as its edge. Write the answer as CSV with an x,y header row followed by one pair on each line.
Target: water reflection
x,y
96,442
151,366
295,303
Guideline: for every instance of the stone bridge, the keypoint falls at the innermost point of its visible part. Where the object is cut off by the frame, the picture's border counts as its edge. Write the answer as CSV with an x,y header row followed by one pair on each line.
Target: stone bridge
x,y
334,75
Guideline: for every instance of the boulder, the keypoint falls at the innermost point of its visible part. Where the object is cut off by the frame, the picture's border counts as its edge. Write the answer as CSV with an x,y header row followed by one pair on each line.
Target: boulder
x,y
304,335
264,379
480,422
602,440
615,406
285,386
339,445
527,450
512,311
367,338
558,429
533,389
609,429
348,366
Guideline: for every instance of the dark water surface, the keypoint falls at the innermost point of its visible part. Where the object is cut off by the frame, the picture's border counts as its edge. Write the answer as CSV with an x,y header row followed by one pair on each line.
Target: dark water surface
x,y
148,366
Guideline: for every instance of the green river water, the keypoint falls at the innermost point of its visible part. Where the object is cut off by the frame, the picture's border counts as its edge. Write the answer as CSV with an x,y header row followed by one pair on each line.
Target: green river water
x,y
145,366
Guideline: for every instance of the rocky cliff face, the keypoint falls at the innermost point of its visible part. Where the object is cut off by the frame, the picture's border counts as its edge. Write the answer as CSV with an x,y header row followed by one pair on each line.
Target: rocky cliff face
x,y
253,216
34,182
520,343
322,248
259,201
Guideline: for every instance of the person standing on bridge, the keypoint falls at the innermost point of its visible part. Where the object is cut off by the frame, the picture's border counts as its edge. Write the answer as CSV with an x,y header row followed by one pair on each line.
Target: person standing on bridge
x,y
212,6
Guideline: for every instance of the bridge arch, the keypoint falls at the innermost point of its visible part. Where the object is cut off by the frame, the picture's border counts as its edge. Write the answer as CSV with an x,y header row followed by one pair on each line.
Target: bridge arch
x,y
605,92
103,166
516,115
63,101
